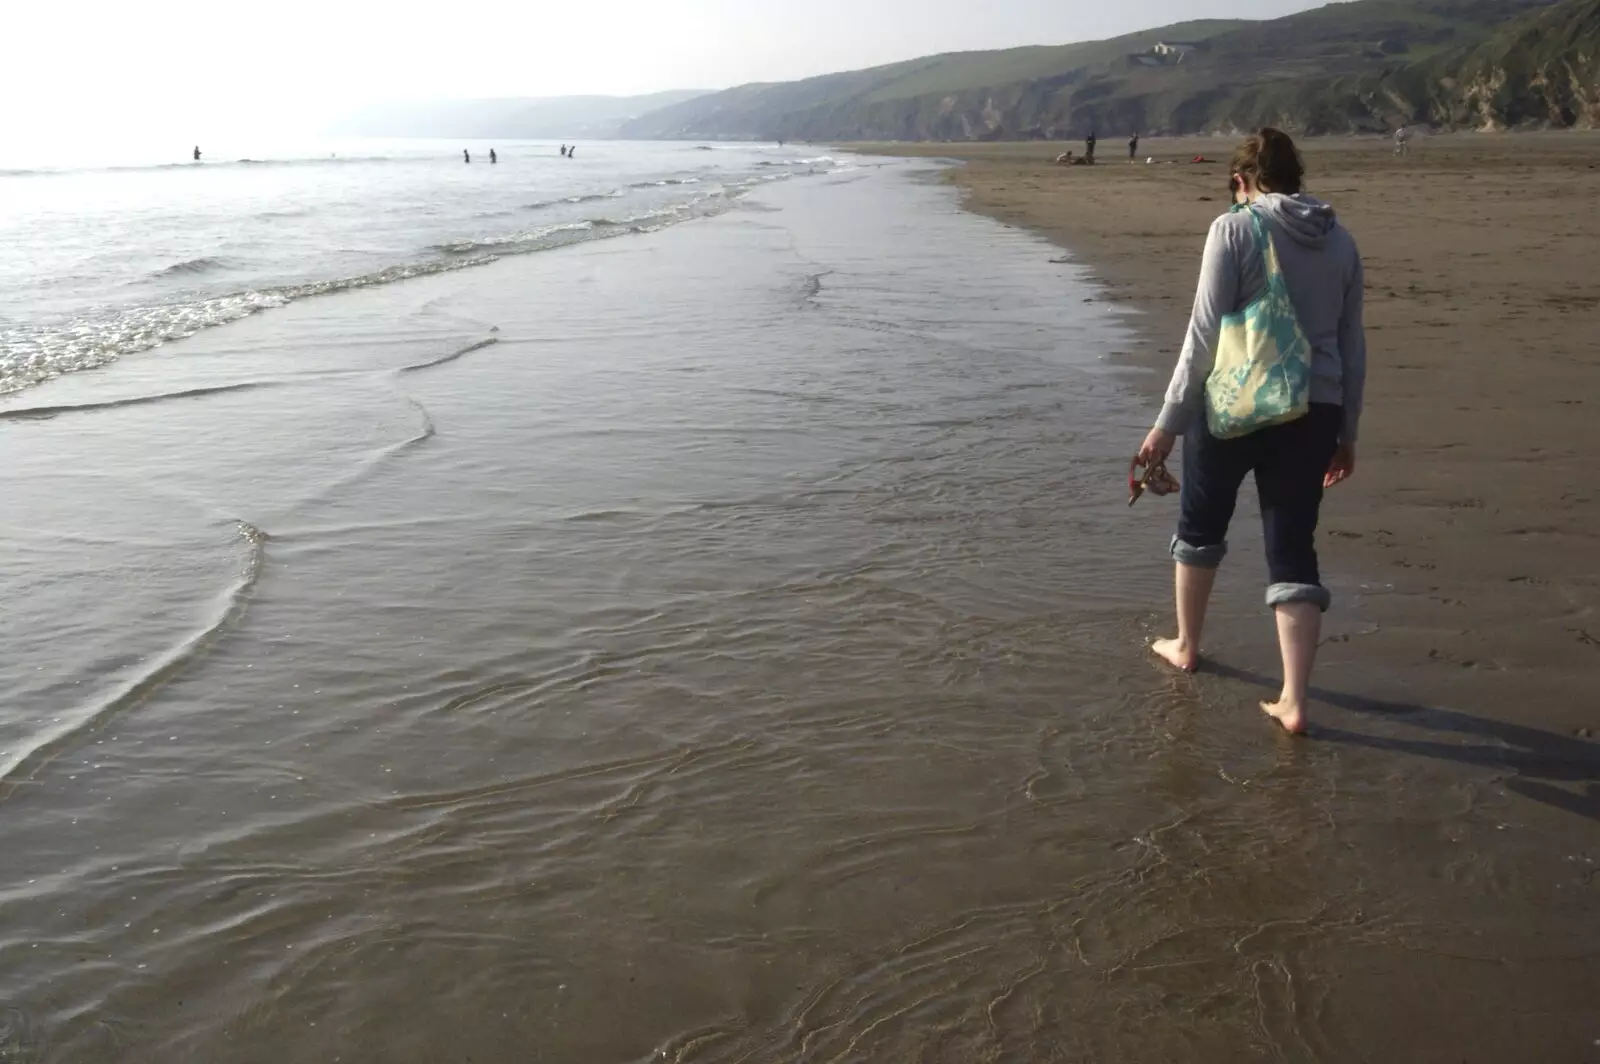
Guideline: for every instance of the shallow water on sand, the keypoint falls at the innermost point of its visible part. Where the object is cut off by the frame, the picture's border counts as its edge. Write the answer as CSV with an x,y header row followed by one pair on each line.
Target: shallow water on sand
x,y
718,644
103,259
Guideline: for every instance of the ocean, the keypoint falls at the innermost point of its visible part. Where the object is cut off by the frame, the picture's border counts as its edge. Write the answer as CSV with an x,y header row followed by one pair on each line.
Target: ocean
x,y
467,638
109,259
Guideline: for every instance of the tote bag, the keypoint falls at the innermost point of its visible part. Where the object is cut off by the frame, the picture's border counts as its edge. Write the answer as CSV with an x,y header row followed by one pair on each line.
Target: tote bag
x,y
1262,372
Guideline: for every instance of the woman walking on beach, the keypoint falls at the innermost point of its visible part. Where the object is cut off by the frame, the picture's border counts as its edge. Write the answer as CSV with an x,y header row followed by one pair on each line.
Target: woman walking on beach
x,y
1276,240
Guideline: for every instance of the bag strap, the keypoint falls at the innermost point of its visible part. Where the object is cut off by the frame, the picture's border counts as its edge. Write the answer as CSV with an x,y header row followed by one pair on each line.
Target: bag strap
x,y
1269,251
1260,228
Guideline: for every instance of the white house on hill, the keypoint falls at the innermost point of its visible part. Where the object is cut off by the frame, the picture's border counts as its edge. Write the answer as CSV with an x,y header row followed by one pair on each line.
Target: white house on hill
x,y
1174,49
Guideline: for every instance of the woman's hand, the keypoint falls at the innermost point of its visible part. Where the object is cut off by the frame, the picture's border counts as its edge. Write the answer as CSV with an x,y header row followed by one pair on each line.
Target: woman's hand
x,y
1156,447
1343,466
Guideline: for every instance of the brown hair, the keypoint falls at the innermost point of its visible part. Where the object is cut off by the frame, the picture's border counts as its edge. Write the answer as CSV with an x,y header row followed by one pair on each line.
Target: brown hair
x,y
1271,160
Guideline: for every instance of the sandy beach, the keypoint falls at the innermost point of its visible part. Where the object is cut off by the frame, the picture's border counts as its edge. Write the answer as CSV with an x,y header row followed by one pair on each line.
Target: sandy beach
x,y
1474,511
1464,546
723,642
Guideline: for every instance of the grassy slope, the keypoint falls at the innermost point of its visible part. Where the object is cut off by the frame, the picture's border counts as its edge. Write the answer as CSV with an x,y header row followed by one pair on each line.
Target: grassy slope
x,y
965,71
1360,64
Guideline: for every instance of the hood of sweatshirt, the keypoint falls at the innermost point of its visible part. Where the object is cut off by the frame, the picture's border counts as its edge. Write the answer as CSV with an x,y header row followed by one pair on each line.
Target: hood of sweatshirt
x,y
1306,219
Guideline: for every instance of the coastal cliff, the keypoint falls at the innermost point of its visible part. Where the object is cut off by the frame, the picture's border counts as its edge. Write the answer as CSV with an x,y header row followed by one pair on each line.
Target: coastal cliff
x,y
1354,67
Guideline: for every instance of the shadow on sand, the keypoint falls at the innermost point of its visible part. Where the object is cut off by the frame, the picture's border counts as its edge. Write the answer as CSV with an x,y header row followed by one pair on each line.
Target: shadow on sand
x,y
1538,760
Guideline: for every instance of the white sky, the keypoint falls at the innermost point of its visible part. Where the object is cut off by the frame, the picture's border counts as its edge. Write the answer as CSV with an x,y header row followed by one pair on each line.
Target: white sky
x,y
127,66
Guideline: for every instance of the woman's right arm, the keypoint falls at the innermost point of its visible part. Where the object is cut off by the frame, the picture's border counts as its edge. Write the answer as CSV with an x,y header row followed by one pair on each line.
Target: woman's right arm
x,y
1216,295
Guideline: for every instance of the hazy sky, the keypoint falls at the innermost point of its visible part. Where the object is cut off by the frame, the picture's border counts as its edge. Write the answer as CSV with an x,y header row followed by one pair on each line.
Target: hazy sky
x,y
145,64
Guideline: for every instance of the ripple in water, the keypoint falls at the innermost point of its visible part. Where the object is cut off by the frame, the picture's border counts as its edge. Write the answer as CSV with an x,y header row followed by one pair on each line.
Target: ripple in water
x,y
742,661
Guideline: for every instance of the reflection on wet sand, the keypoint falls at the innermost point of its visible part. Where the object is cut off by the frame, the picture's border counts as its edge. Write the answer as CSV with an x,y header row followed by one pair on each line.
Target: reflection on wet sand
x,y
1535,764
755,673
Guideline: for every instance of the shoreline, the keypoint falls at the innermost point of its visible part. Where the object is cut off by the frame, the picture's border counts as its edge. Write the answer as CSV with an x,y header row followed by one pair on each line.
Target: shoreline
x,y
1471,510
765,585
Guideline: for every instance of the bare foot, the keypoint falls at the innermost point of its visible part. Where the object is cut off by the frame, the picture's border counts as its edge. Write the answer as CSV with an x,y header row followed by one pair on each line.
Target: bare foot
x,y
1291,716
1176,654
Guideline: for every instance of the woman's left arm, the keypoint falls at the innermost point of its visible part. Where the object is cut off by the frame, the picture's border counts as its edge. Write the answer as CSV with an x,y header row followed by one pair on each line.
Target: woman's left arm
x,y
1353,365
1353,351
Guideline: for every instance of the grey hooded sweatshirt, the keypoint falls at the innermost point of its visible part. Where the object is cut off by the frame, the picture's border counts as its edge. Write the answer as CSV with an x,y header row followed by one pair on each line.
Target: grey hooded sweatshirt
x,y
1322,267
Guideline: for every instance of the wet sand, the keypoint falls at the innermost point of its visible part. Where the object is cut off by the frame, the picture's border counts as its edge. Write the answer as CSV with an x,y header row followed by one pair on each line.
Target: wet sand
x,y
1468,540
738,659
1475,498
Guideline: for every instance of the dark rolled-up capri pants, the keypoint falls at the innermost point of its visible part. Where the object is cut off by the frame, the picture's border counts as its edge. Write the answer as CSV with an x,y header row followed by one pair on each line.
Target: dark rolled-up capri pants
x,y
1289,462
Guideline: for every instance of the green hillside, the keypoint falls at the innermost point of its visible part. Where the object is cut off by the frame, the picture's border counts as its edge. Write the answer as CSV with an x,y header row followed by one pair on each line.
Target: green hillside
x,y
1541,70
965,71
1367,64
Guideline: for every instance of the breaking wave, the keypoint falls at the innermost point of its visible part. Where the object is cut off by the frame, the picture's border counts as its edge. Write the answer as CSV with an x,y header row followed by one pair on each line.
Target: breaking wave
x,y
29,357
229,606
32,353
592,197
545,238
204,264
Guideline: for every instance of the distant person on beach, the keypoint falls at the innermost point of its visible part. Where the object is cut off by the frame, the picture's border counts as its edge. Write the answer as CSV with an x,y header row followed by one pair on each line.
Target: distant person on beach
x,y
1402,141
1089,142
563,151
197,153
1133,147
492,157
1293,461
466,156
572,151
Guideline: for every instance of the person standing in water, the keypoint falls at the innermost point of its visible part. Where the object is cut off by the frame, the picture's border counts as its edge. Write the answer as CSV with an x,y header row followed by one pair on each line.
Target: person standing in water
x,y
563,151
1293,462
466,156
197,153
492,157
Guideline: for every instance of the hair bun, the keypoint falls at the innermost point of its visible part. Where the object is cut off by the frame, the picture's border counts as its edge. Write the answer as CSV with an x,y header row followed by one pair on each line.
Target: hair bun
x,y
1271,157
